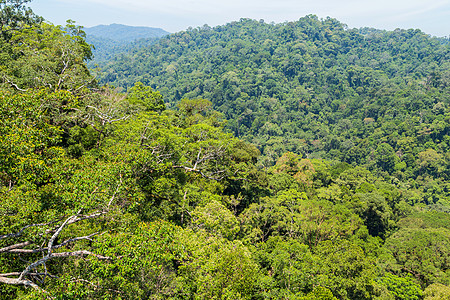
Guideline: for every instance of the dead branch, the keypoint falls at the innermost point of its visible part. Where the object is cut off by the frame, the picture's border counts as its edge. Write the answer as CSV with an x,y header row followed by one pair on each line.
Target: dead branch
x,y
31,274
16,281
56,234
115,192
72,240
31,269
202,157
105,118
13,84
14,247
19,233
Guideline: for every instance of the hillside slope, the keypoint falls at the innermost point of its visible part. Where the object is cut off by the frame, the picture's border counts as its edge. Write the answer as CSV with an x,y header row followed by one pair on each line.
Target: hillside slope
x,y
314,87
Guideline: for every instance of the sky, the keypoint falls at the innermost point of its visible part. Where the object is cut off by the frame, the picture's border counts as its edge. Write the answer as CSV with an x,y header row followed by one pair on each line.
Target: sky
x,y
431,16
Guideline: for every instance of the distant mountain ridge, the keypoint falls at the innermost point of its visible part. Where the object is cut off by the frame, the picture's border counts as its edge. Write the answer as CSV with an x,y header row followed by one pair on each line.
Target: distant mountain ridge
x,y
114,39
124,33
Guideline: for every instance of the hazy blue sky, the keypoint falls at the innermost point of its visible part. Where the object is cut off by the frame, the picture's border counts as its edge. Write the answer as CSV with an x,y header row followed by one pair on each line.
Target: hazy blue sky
x,y
431,16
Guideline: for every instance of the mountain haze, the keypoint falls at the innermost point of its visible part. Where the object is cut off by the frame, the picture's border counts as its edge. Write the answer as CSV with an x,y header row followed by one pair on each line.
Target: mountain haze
x,y
124,33
110,40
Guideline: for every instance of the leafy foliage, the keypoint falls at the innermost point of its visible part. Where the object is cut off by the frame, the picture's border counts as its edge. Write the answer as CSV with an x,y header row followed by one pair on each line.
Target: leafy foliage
x,y
106,195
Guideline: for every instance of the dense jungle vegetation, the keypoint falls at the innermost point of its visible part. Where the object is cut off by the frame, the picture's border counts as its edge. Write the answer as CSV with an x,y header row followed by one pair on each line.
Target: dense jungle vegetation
x,y
301,160
366,97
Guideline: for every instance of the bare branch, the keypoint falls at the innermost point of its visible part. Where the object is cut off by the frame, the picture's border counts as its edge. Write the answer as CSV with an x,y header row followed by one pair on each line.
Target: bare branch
x,y
56,234
81,253
198,158
13,247
32,269
31,274
13,84
16,281
34,265
87,237
105,118
202,173
115,192
61,254
27,251
71,220
19,233
82,218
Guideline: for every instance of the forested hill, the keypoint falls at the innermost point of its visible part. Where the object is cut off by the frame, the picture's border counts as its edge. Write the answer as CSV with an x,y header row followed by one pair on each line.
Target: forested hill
x,y
314,87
